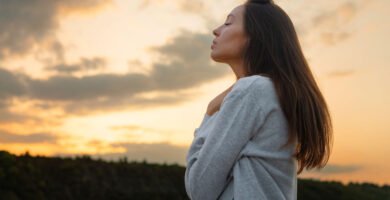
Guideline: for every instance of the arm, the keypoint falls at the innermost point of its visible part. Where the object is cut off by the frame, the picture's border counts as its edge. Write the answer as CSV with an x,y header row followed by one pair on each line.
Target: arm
x,y
204,120
209,162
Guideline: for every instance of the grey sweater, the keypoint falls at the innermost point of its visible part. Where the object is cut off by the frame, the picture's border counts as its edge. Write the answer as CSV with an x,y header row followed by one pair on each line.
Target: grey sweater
x,y
237,153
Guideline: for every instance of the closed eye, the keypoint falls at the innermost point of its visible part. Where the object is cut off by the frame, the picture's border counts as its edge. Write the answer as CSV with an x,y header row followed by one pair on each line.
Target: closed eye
x,y
227,24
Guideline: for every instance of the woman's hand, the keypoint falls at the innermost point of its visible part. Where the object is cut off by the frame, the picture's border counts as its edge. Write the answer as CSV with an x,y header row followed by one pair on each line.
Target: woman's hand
x,y
215,104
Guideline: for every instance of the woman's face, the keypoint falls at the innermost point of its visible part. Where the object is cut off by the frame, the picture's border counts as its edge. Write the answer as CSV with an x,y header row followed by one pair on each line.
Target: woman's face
x,y
230,38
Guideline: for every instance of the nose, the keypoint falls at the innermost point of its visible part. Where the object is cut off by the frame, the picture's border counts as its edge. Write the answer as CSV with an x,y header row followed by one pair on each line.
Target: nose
x,y
215,31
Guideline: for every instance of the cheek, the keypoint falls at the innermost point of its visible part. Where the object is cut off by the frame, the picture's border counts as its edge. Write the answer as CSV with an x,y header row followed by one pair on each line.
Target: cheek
x,y
236,45
232,45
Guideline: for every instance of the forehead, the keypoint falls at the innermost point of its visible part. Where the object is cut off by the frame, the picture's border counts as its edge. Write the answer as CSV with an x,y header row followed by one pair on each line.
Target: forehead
x,y
236,12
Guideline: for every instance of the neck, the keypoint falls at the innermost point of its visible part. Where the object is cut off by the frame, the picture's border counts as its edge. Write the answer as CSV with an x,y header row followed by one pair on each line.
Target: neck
x,y
238,69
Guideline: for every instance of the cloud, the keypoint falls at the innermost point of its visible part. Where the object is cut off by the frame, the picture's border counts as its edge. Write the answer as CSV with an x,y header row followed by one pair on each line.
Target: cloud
x,y
132,128
85,64
92,87
334,21
196,6
332,38
189,65
91,106
183,63
28,24
342,14
7,137
337,169
10,85
335,25
8,116
341,73
327,22
193,6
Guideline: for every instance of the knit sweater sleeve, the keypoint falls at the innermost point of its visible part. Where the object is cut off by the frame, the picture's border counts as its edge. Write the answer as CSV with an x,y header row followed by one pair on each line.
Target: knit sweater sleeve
x,y
209,163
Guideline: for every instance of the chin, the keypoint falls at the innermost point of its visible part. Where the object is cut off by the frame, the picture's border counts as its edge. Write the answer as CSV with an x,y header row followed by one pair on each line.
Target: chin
x,y
215,57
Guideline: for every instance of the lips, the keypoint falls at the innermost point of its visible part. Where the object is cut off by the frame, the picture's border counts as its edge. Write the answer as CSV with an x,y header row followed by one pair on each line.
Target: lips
x,y
212,45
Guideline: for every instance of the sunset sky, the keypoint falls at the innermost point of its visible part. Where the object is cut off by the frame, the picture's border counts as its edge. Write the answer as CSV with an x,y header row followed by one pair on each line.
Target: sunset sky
x,y
115,78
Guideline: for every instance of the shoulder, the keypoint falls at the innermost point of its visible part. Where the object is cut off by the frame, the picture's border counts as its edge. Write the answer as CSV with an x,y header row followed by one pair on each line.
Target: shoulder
x,y
255,90
254,85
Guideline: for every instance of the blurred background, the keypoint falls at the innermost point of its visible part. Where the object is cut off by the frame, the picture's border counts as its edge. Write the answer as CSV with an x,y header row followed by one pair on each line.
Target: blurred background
x,y
114,78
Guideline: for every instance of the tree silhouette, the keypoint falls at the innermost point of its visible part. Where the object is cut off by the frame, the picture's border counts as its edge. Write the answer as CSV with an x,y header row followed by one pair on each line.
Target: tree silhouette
x,y
40,177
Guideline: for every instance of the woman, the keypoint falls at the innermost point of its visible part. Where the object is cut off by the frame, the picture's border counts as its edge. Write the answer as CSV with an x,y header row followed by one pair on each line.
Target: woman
x,y
256,133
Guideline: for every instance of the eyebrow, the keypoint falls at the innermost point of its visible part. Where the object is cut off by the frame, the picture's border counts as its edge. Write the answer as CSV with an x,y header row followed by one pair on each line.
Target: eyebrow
x,y
230,15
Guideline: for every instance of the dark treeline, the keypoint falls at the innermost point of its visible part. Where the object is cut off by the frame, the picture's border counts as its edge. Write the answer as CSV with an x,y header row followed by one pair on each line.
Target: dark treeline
x,y
39,177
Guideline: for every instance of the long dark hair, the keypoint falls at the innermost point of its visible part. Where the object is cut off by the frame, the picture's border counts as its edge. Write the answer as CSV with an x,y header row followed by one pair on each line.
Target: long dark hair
x,y
273,50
